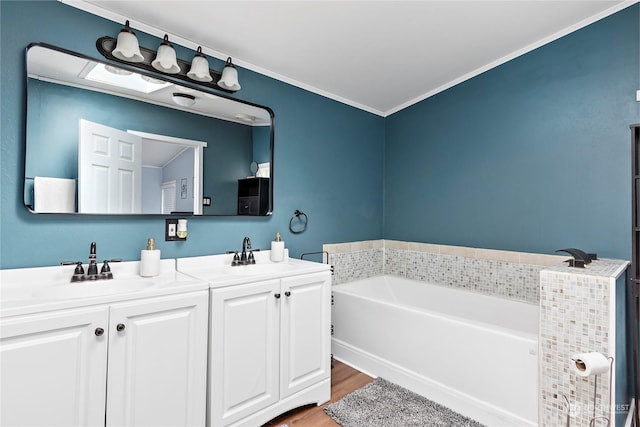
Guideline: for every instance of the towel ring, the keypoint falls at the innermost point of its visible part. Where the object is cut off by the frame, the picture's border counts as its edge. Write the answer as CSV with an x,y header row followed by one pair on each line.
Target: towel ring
x,y
299,216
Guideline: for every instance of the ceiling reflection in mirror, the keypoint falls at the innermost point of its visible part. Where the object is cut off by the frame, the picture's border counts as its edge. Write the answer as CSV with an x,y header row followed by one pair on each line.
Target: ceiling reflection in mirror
x,y
107,139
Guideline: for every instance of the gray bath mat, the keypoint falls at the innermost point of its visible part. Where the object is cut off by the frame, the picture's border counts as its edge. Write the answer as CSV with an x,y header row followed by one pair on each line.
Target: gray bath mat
x,y
384,404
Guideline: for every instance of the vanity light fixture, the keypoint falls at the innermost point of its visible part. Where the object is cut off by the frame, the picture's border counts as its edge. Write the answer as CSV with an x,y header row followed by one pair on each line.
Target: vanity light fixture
x,y
166,58
127,47
229,79
183,99
200,67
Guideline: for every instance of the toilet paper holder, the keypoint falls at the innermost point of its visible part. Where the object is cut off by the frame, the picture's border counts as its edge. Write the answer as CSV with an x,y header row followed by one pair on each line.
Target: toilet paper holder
x,y
591,364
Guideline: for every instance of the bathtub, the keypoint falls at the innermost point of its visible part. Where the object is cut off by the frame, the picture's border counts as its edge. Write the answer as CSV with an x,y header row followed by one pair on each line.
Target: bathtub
x,y
473,353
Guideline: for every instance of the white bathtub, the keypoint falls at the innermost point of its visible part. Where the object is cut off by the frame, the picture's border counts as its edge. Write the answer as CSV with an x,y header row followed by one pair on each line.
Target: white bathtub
x,y
475,354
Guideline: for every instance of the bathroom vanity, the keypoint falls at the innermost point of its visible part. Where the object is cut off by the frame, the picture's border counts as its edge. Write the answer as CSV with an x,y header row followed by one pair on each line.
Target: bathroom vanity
x,y
269,338
138,351
132,356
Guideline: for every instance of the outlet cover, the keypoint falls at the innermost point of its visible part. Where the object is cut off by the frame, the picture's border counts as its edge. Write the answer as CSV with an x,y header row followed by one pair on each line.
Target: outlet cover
x,y
171,230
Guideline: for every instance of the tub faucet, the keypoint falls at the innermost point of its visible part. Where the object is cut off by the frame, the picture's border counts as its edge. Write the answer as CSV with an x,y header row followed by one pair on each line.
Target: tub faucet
x,y
580,258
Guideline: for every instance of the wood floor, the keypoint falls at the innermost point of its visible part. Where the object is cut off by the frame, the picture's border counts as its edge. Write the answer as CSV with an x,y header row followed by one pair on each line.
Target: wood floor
x,y
344,380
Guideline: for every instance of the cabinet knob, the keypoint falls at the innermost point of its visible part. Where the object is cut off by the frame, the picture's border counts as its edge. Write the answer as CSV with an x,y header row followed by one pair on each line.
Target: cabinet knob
x,y
99,332
277,296
288,294
120,327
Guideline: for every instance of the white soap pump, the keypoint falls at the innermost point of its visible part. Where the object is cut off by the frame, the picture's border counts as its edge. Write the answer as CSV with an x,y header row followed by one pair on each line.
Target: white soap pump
x,y
150,260
277,249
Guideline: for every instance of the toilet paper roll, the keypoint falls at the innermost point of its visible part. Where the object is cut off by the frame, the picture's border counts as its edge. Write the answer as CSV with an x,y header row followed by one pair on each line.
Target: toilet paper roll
x,y
585,364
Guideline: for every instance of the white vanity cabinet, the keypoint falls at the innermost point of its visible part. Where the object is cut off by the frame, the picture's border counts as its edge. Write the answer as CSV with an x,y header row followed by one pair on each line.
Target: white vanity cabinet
x,y
140,362
53,368
269,348
157,369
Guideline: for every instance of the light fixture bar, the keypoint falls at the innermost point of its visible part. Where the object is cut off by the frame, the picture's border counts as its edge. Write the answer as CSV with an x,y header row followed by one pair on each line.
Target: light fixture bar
x,y
106,44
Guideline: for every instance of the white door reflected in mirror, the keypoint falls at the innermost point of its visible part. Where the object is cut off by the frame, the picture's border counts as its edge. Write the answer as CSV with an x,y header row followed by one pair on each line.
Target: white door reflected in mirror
x,y
135,172
108,160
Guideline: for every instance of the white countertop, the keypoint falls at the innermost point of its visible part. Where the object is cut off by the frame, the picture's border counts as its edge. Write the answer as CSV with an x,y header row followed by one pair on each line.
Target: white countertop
x,y
218,271
40,289
28,290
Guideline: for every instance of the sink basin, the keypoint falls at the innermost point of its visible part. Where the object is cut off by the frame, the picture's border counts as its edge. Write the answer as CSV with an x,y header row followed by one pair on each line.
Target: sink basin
x,y
254,269
91,289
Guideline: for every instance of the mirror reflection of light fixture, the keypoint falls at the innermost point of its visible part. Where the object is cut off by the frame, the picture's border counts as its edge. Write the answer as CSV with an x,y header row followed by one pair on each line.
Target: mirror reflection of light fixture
x,y
121,78
229,79
118,71
127,47
152,80
200,68
183,99
247,118
166,58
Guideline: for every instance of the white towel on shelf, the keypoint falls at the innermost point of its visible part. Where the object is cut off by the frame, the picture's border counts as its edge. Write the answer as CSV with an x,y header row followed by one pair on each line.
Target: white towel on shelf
x,y
54,195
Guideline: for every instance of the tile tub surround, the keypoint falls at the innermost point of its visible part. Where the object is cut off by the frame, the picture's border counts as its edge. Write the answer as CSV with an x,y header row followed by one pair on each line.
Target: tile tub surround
x,y
513,275
577,315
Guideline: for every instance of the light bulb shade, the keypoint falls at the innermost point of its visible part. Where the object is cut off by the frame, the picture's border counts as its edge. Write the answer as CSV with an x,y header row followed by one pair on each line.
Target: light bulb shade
x,y
127,47
183,99
166,58
229,79
200,68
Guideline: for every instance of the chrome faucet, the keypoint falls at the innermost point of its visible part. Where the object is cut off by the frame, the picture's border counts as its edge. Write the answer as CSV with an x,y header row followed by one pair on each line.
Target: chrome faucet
x,y
244,258
92,269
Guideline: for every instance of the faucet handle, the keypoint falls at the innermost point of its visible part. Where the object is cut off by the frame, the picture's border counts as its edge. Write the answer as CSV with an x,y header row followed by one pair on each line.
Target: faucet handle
x,y
105,271
105,265
251,259
78,273
78,264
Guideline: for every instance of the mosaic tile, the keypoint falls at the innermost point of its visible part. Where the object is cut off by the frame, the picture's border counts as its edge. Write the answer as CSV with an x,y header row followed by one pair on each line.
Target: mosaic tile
x,y
574,306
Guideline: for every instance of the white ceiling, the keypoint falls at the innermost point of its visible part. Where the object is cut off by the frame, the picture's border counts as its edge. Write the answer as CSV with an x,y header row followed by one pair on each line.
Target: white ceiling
x,y
380,56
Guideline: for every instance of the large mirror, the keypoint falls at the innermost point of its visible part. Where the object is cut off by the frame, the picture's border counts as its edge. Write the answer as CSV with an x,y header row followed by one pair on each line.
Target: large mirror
x,y
110,139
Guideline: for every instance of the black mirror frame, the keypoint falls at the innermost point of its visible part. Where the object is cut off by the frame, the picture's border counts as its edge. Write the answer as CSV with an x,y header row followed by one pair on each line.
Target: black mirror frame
x,y
156,75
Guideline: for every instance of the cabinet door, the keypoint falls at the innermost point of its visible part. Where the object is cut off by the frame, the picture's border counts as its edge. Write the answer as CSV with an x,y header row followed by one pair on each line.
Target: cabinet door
x,y
157,361
306,332
54,368
244,350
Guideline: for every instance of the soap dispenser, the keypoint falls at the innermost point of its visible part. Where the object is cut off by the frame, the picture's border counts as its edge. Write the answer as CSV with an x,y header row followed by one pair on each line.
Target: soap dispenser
x,y
150,260
277,249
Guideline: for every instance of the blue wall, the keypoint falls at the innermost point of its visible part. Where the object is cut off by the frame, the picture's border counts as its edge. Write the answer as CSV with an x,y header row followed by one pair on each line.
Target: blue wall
x,y
328,162
532,156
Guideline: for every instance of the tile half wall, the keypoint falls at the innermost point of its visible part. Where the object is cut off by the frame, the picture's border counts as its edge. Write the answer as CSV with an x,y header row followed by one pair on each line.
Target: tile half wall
x,y
513,275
